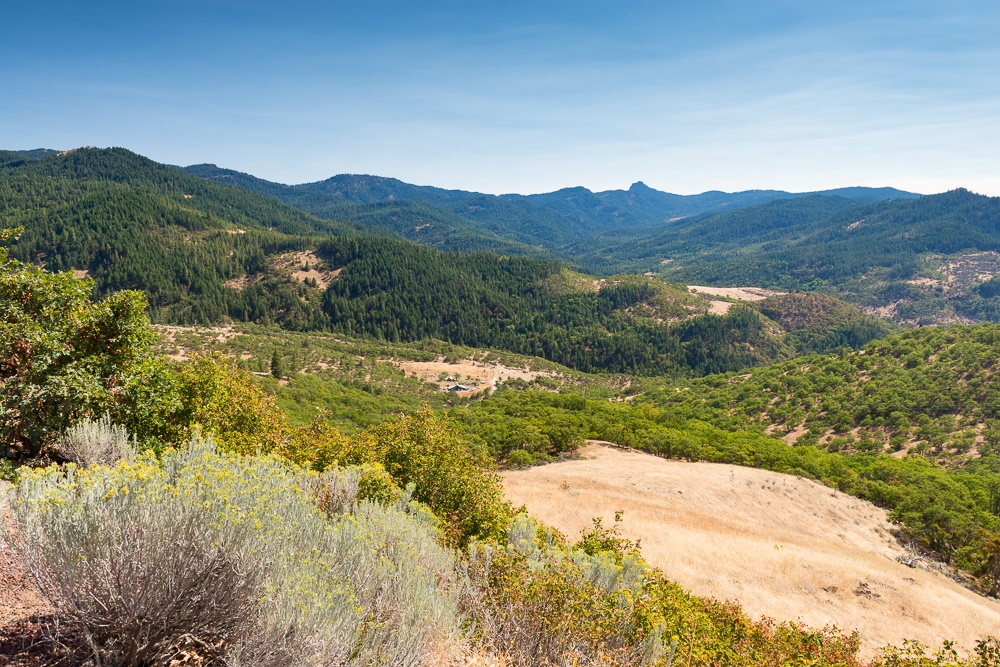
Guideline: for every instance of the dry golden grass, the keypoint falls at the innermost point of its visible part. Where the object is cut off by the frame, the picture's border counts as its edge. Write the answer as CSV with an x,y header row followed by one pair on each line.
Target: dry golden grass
x,y
782,546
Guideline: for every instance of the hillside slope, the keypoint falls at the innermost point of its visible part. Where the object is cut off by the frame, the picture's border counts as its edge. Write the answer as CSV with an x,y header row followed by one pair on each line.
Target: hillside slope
x,y
782,546
207,253
920,261
130,223
930,391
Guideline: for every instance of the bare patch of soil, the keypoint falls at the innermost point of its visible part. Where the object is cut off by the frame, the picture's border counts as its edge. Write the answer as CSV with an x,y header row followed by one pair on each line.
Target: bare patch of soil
x,y
307,266
719,307
240,283
476,375
738,293
23,611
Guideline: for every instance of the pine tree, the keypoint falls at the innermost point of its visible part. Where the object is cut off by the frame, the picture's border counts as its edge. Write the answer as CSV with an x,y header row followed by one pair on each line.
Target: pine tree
x,y
277,366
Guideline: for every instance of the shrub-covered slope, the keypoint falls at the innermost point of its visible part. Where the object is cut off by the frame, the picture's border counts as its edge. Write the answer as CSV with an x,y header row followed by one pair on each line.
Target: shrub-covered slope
x,y
930,390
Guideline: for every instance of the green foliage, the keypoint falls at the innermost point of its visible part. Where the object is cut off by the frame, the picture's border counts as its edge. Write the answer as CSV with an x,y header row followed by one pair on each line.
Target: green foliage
x,y
420,450
8,472
229,405
865,254
135,224
453,481
204,253
932,388
819,323
277,366
914,654
571,220
404,293
64,357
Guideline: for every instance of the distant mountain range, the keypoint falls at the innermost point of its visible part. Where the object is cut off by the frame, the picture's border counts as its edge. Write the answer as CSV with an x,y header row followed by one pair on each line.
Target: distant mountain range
x,y
553,220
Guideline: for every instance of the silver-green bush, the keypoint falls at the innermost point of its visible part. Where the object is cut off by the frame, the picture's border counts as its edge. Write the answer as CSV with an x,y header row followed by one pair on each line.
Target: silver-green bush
x,y
230,558
95,441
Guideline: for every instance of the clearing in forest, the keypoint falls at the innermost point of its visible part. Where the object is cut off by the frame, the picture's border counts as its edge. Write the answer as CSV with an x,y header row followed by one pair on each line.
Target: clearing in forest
x,y
782,546
476,375
735,293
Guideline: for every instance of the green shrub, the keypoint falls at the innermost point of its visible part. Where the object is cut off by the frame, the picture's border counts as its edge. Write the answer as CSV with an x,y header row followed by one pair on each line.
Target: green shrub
x,y
229,405
459,486
8,472
519,458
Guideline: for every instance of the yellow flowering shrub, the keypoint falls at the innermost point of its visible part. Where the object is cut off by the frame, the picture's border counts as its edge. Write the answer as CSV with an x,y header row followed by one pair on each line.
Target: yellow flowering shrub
x,y
230,557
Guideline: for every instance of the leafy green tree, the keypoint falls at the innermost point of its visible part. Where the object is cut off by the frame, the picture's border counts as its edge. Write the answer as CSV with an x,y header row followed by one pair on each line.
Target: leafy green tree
x,y
64,357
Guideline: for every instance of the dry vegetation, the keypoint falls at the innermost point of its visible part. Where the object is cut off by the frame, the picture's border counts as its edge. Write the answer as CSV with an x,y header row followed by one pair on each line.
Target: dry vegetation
x,y
23,611
782,546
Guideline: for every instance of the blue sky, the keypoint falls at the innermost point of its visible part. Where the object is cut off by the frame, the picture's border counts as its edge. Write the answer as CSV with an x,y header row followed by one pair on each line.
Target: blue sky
x,y
521,96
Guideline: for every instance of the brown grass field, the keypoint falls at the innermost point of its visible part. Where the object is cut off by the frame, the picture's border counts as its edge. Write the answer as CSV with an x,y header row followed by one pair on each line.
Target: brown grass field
x,y
782,546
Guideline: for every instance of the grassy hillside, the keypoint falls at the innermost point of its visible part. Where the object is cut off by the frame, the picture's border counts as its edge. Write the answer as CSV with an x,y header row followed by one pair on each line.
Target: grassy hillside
x,y
803,552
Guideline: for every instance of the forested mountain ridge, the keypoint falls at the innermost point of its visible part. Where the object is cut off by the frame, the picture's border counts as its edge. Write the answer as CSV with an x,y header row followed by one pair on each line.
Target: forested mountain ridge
x,y
916,261
913,259
205,253
643,206
449,219
553,220
129,222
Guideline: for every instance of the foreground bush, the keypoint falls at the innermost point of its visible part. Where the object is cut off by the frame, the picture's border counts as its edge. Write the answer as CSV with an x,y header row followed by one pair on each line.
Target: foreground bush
x,y
231,560
541,603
